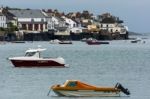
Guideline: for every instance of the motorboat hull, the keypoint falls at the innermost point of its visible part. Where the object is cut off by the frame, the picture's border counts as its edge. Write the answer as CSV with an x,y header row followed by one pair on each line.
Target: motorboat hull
x,y
135,41
93,43
65,42
36,63
87,93
96,42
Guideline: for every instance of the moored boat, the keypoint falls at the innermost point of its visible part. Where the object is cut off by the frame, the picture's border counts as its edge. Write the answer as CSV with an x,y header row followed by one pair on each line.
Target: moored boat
x,y
93,42
84,39
56,41
136,40
65,42
33,58
96,42
78,88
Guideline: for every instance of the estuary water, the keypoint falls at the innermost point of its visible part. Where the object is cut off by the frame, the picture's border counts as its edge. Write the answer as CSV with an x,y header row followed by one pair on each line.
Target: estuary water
x,y
104,65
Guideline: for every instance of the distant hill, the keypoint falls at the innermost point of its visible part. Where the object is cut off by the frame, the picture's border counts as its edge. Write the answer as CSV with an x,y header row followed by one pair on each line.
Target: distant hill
x,y
146,34
134,33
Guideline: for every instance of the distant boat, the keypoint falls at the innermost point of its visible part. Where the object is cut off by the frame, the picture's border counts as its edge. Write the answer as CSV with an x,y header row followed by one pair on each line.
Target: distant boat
x,y
33,58
65,42
56,41
84,39
78,88
95,42
134,41
87,39
138,40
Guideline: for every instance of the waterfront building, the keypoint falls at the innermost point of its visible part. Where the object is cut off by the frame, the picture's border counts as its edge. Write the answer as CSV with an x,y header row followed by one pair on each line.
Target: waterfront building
x,y
58,23
93,28
30,21
3,20
112,25
85,22
70,22
76,30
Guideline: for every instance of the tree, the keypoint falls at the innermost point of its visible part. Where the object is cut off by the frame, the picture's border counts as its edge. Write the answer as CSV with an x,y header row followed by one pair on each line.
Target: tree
x,y
11,27
2,29
86,14
78,15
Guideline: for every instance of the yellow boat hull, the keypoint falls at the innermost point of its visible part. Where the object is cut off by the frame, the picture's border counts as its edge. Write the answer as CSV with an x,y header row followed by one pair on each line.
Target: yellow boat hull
x,y
86,93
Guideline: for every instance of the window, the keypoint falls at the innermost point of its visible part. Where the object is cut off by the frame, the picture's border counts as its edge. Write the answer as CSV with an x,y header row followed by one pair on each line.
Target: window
x,y
74,25
111,30
45,26
36,26
30,26
24,27
30,53
32,20
41,27
42,20
72,84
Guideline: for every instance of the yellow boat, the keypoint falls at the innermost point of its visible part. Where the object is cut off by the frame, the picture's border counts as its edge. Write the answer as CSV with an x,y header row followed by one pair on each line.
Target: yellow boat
x,y
78,88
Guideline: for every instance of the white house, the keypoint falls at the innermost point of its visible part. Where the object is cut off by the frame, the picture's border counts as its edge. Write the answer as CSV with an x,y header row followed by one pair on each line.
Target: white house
x,y
59,22
56,23
2,19
112,24
77,30
50,24
114,27
55,20
70,22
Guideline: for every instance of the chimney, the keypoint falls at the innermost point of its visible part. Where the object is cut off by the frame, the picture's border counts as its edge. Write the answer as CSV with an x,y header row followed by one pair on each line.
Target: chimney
x,y
1,9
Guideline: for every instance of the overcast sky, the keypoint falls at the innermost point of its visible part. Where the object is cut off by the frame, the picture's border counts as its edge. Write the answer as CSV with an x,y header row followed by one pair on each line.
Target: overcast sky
x,y
135,13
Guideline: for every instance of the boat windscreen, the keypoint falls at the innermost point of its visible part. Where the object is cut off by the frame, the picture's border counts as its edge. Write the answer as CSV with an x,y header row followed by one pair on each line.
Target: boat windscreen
x,y
30,53
72,84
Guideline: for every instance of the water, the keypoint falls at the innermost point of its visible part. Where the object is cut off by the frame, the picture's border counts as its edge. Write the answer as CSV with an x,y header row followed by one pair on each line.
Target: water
x,y
105,65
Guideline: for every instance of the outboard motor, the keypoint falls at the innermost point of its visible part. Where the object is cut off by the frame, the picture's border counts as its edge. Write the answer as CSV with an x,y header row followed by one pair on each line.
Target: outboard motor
x,y
124,90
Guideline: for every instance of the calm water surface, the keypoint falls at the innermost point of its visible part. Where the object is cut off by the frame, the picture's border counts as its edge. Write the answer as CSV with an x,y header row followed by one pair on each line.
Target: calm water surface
x,y
120,61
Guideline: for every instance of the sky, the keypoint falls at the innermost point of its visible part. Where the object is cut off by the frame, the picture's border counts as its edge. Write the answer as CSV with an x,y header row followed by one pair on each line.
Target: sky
x,y
134,13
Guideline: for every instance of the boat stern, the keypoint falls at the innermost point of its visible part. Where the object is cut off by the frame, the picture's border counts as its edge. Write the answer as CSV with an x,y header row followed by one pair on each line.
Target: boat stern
x,y
121,88
61,60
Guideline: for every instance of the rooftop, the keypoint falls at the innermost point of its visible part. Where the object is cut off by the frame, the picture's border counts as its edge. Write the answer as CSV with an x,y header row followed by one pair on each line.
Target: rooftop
x,y
25,13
